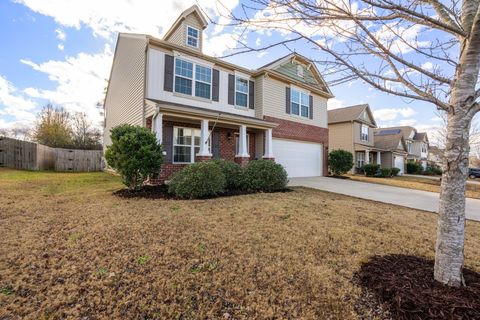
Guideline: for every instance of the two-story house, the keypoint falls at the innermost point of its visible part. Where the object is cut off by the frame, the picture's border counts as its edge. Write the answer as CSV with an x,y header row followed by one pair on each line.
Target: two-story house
x,y
201,107
417,144
393,146
352,129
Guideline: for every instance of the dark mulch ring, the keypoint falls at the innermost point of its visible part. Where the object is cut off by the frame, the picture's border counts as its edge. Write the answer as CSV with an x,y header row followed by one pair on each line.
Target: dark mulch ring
x,y
161,192
403,287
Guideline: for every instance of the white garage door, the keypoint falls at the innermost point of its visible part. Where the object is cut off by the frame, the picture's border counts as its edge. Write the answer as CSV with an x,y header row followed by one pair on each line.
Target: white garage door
x,y
300,159
399,162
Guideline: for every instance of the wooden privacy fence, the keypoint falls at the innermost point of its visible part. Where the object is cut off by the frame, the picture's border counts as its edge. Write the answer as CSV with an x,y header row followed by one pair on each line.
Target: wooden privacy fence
x,y
26,155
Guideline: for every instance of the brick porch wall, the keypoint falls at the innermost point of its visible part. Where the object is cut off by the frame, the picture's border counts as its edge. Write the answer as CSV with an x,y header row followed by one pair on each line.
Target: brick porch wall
x,y
303,132
226,146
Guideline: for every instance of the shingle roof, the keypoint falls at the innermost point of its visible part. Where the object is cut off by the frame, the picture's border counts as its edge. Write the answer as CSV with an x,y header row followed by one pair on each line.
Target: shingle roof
x,y
387,138
346,114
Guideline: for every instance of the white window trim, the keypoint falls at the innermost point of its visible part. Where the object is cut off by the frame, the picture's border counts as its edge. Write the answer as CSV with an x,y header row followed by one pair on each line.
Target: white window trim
x,y
194,78
248,91
300,92
362,134
357,158
192,144
186,37
237,143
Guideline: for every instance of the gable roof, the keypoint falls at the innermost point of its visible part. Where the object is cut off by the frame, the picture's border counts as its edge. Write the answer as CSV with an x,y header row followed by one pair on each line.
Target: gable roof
x,y
389,139
407,131
351,113
192,10
312,76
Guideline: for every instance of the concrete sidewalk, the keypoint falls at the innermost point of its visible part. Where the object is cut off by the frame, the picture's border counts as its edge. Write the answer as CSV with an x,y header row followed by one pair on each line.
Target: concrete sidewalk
x,y
472,182
416,199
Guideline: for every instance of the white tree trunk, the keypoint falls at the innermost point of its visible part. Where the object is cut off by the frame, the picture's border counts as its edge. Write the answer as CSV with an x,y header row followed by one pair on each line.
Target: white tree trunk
x,y
449,254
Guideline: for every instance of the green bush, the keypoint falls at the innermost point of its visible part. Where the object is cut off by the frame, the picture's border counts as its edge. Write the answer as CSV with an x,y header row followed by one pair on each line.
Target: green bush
x,y
414,167
134,154
340,161
371,169
395,171
433,171
198,180
233,174
264,175
386,172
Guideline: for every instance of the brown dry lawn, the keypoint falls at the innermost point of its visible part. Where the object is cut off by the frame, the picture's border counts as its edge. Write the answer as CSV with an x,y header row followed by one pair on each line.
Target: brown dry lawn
x,y
70,249
425,184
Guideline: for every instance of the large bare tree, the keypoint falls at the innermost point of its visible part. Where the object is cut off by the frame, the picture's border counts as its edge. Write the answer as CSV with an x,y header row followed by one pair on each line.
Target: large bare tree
x,y
424,50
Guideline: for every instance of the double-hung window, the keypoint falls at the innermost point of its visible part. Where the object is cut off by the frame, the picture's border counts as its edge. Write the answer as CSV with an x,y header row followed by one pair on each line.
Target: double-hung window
x,y
364,132
193,79
192,37
241,92
300,104
186,144
360,159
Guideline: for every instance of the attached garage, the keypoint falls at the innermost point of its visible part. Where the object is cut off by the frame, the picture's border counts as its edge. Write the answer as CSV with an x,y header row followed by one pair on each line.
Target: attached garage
x,y
399,162
300,159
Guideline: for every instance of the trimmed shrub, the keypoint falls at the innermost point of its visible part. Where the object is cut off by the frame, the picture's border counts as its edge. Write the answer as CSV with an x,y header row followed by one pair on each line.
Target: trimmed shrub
x,y
134,153
414,167
371,169
233,174
386,172
264,175
340,161
395,171
198,180
432,171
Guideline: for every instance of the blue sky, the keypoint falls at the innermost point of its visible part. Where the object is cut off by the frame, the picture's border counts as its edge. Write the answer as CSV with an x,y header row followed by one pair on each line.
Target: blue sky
x,y
61,51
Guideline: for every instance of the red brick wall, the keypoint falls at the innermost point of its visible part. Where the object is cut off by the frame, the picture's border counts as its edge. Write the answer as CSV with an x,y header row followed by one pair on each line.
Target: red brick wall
x,y
304,132
227,147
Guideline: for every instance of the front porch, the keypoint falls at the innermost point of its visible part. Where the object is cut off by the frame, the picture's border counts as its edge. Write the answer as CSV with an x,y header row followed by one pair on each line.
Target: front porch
x,y
200,135
364,155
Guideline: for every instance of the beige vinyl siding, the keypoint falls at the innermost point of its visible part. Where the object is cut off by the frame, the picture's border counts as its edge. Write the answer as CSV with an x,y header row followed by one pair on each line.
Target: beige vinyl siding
x,y
124,102
356,133
274,104
179,35
340,137
259,97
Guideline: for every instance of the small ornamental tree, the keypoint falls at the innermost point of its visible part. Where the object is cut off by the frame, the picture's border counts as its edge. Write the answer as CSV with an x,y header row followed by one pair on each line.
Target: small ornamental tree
x,y
134,153
340,161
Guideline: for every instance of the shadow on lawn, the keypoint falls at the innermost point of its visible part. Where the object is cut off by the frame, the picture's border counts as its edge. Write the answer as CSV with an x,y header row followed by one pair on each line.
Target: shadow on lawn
x,y
161,192
403,287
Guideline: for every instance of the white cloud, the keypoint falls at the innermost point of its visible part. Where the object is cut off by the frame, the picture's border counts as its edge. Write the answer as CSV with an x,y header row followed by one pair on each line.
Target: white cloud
x,y
61,46
107,17
388,114
80,81
61,35
17,105
261,54
400,39
258,42
219,45
335,104
427,66
408,122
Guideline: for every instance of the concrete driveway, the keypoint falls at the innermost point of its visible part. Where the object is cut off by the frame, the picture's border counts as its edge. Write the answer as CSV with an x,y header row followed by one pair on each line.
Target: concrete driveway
x,y
417,199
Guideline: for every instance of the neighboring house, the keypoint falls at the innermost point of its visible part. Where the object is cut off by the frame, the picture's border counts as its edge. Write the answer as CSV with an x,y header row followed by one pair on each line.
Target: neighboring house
x,y
435,156
352,129
201,107
417,144
393,146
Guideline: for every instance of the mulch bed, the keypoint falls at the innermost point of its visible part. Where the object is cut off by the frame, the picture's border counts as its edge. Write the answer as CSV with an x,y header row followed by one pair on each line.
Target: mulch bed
x,y
161,192
404,287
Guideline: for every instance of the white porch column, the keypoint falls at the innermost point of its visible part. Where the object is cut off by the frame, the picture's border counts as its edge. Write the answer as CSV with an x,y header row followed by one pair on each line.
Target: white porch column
x,y
158,127
242,142
204,152
268,154
367,156
379,158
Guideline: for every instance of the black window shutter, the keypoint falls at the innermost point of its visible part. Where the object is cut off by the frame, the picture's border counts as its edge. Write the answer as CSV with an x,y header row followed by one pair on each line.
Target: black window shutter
x,y
167,142
168,74
231,89
216,145
311,107
287,100
215,84
251,94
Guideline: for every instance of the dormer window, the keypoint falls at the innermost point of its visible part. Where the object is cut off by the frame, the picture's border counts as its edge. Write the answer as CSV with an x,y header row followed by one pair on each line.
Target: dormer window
x,y
300,71
192,37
